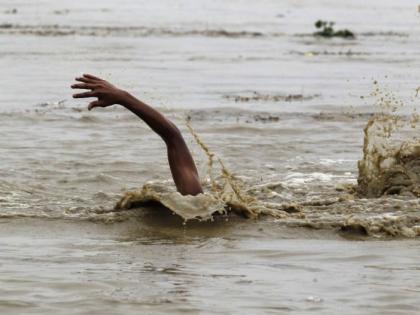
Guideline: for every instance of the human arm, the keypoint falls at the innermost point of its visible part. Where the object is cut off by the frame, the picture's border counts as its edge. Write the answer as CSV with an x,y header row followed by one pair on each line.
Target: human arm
x,y
183,169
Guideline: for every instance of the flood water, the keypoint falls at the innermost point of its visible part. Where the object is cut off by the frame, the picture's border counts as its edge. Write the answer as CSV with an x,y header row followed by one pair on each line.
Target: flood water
x,y
282,109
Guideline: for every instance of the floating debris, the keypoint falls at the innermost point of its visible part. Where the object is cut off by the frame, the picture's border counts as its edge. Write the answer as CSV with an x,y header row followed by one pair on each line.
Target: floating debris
x,y
326,29
11,11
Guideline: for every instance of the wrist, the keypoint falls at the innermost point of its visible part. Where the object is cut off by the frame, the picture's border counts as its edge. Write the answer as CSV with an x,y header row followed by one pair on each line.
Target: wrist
x,y
126,98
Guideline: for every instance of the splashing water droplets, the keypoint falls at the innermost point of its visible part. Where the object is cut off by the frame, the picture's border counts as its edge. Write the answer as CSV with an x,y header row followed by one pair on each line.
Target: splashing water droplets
x,y
391,154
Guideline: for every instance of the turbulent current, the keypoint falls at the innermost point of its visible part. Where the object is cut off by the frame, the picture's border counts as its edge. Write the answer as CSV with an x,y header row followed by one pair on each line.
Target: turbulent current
x,y
310,172
382,203
390,166
391,163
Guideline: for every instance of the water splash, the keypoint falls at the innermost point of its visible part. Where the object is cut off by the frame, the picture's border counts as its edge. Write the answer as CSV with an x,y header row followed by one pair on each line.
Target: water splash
x,y
223,193
391,159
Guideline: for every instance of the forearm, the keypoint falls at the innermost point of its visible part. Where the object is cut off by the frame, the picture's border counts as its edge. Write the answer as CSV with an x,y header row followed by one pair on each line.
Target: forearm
x,y
155,120
184,171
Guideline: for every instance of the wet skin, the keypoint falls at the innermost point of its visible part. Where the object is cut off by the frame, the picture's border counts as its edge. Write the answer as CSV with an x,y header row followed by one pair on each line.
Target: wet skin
x,y
183,169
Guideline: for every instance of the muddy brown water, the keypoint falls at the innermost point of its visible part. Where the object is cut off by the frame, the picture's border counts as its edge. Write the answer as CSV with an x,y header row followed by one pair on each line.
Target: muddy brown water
x,y
285,112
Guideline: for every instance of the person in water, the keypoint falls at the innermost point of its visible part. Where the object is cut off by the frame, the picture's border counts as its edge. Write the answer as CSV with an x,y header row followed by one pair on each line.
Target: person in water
x,y
183,169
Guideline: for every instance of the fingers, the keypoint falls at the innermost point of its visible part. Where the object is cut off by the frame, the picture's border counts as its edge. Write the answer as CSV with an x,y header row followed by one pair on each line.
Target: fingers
x,y
90,82
88,78
87,86
92,77
94,104
82,79
85,94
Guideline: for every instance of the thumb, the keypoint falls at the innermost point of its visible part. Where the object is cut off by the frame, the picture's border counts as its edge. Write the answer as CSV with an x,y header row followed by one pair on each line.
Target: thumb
x,y
94,104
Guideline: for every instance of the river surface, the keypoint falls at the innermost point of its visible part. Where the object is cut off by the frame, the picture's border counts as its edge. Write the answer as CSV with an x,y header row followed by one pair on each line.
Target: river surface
x,y
283,110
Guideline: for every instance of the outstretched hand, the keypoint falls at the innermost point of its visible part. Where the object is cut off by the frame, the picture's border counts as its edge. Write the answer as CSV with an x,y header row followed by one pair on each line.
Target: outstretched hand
x,y
106,93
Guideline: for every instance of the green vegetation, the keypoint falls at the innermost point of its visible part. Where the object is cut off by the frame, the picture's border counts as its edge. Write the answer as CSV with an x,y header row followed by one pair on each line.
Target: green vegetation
x,y
326,29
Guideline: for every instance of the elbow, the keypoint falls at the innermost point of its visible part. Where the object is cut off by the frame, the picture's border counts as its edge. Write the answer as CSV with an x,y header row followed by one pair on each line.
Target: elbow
x,y
175,130
173,134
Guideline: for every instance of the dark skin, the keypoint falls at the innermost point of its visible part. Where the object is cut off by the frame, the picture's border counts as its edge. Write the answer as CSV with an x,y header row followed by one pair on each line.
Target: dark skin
x,y
184,171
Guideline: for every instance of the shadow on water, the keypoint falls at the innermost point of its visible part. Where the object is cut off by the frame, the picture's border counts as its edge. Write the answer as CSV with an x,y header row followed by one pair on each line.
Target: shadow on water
x,y
155,221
